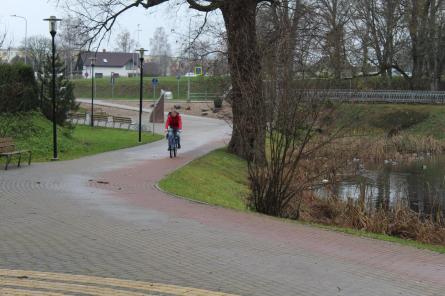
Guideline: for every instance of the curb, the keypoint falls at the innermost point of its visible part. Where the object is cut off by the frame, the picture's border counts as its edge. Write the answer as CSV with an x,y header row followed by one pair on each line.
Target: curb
x,y
177,196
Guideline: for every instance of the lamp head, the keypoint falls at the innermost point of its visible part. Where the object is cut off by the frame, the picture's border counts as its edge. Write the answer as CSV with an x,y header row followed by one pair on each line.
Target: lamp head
x,y
52,20
141,52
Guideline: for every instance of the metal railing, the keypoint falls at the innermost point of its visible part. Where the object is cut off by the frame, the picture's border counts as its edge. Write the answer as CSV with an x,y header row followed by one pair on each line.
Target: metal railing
x,y
380,96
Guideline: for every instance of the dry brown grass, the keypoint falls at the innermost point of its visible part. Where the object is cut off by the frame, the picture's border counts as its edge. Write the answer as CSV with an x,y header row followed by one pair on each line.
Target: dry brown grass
x,y
399,221
403,147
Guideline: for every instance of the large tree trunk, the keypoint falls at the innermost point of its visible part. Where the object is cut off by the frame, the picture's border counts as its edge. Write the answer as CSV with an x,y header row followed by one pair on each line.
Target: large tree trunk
x,y
248,138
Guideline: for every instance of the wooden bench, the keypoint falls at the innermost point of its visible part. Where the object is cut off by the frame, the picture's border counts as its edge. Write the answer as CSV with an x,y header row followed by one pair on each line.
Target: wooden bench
x,y
77,117
122,120
101,117
8,150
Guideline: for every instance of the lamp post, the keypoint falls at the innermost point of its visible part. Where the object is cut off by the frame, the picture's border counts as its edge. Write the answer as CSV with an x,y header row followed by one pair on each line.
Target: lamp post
x,y
53,31
26,34
190,48
141,90
189,57
93,61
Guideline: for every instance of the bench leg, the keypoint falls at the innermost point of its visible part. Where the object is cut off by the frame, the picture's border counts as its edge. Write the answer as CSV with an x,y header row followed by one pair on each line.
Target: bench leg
x,y
20,160
30,156
8,160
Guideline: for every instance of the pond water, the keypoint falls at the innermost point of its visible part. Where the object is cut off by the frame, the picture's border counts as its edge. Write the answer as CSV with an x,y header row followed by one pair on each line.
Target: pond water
x,y
419,184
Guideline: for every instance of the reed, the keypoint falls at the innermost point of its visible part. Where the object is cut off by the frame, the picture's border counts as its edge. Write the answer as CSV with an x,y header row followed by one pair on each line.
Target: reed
x,y
399,221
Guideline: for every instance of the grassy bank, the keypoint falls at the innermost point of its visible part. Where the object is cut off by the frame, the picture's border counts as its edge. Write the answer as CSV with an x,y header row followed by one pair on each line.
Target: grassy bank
x,y
128,88
34,132
426,120
220,178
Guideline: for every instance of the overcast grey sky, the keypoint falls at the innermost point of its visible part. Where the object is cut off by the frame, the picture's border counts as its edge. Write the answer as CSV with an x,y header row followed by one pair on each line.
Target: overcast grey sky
x,y
169,16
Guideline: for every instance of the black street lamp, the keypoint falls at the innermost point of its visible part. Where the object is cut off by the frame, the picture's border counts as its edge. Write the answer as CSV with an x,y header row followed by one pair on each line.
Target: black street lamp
x,y
93,61
53,31
141,91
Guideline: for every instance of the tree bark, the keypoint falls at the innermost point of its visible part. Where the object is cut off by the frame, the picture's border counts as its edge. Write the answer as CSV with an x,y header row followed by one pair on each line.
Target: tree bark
x,y
248,138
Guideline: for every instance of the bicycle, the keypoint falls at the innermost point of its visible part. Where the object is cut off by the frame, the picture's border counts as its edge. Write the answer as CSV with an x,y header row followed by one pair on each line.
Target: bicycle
x,y
173,141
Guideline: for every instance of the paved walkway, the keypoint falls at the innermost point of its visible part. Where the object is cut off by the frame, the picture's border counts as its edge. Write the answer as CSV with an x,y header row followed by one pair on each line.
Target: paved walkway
x,y
113,105
97,226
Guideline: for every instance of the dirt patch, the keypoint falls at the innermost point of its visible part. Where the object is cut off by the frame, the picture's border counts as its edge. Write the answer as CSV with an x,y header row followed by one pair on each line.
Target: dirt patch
x,y
205,109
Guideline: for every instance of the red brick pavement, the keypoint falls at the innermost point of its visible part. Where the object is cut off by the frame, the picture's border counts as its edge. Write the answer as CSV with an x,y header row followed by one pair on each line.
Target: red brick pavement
x,y
136,185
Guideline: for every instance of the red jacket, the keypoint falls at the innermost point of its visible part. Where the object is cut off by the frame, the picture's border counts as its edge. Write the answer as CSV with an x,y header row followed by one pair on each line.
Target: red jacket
x,y
174,122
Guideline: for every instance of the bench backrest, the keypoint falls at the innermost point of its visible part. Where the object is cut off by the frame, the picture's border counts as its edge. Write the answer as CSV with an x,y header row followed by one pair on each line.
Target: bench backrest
x,y
120,119
77,115
6,145
100,117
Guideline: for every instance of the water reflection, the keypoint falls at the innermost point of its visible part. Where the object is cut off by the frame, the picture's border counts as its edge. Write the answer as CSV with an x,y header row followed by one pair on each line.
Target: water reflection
x,y
419,184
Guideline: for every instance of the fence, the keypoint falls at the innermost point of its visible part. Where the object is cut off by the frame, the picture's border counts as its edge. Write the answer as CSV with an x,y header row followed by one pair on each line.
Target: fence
x,y
384,96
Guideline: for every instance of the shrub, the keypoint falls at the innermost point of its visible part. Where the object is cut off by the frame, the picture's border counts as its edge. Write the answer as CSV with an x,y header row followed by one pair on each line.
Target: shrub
x,y
18,89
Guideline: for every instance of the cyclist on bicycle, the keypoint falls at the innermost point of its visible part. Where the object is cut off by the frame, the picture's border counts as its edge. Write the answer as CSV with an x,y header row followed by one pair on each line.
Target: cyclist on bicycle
x,y
173,126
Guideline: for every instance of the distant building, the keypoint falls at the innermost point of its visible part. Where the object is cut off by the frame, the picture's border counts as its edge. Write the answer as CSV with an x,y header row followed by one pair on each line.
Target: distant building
x,y
9,54
108,63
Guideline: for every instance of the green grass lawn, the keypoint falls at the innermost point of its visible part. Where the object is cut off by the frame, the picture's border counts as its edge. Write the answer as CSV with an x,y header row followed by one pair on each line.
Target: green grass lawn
x,y
220,178
128,88
378,118
34,132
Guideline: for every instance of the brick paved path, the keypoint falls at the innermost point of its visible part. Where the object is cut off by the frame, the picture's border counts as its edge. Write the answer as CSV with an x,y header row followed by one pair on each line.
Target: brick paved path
x,y
101,217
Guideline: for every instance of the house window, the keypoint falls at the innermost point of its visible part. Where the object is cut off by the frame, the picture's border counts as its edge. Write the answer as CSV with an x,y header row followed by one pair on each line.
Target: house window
x,y
129,66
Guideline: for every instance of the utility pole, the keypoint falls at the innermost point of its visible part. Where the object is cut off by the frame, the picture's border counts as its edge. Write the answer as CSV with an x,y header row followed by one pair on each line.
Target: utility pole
x,y
26,34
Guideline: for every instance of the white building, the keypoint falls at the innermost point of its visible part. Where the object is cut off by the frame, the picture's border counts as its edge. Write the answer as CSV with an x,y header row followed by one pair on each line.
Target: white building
x,y
108,63
8,54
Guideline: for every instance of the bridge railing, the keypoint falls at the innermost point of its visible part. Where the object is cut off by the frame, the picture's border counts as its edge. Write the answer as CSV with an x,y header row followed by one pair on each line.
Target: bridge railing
x,y
385,96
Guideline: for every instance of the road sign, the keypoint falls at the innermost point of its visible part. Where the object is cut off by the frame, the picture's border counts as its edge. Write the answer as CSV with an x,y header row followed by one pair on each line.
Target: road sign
x,y
198,71
154,82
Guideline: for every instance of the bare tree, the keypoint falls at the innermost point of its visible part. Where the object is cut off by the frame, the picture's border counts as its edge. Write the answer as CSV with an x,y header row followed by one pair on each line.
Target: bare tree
x,y
38,49
124,42
424,22
380,28
71,40
335,15
289,30
3,36
161,49
239,17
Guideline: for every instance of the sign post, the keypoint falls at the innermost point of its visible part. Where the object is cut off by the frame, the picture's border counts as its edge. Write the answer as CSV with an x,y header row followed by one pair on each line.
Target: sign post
x,y
198,71
154,83
178,77
112,84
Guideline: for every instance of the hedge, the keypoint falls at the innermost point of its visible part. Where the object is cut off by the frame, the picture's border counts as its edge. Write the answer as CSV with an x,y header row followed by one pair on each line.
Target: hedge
x,y
18,89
